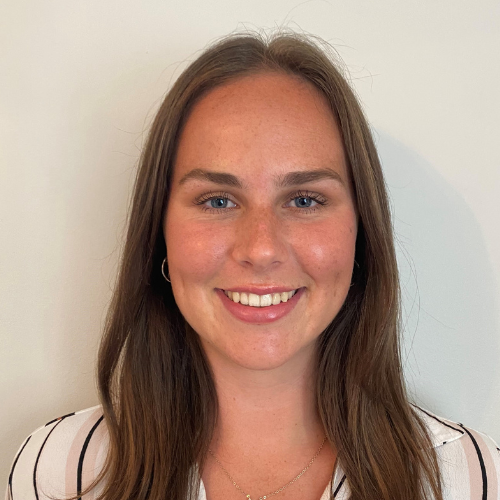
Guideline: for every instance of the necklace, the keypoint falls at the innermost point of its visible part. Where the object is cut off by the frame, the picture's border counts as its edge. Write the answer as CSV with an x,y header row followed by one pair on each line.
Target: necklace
x,y
264,497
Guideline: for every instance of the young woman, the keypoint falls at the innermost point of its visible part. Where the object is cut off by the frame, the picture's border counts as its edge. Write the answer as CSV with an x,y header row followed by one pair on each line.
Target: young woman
x,y
251,349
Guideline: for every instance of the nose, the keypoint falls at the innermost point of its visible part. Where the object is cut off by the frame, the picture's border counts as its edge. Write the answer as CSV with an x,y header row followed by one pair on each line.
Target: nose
x,y
260,240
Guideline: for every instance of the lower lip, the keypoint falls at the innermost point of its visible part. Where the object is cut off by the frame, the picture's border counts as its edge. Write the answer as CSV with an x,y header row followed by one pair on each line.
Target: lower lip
x,y
266,314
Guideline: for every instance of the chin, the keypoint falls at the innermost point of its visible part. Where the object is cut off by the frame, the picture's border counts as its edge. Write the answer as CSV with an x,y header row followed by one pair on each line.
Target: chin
x,y
262,363
260,359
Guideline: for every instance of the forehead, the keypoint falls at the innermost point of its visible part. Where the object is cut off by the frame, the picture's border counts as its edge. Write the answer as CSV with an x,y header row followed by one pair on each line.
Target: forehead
x,y
267,89
263,121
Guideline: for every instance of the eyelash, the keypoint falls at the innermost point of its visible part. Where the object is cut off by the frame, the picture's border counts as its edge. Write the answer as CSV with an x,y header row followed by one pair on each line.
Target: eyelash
x,y
225,196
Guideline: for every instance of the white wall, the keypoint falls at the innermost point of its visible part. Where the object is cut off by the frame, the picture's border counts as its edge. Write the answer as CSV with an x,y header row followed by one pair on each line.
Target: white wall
x,y
79,81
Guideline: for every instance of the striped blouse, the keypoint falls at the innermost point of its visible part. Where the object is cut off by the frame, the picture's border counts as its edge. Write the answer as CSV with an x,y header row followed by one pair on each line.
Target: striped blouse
x,y
61,459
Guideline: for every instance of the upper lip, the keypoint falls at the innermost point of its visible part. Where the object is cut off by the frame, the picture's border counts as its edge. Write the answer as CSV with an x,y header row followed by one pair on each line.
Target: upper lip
x,y
259,290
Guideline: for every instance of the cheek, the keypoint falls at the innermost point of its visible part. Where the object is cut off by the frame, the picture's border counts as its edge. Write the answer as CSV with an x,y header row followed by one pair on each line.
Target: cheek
x,y
327,252
198,251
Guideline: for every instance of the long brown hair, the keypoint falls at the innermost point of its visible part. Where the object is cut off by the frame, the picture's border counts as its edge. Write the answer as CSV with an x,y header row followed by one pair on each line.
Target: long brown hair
x,y
156,387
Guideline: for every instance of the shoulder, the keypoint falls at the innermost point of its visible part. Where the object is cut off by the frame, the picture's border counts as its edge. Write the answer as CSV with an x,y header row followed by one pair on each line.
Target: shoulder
x,y
469,460
60,458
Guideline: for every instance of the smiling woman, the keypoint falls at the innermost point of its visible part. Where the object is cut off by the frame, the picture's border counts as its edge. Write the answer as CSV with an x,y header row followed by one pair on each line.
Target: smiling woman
x,y
252,345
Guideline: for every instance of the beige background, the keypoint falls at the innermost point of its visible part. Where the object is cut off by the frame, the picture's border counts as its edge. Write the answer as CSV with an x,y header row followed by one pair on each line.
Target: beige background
x,y
79,82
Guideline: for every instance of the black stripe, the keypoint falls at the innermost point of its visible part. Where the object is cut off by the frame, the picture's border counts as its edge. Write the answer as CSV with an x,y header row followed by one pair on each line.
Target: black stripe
x,y
59,418
14,465
440,421
338,487
481,463
39,454
82,456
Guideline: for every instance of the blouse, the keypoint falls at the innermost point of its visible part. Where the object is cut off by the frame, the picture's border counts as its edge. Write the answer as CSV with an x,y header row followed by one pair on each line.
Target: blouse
x,y
65,455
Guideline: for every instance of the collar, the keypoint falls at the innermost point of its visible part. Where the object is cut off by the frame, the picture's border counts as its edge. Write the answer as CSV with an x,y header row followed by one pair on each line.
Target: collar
x,y
441,430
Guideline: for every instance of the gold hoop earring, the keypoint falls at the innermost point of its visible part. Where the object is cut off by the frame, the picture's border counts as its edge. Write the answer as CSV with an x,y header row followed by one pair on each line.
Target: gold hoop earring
x,y
163,270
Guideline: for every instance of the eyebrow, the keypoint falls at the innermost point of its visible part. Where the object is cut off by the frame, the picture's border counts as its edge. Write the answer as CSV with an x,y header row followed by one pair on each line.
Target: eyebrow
x,y
281,181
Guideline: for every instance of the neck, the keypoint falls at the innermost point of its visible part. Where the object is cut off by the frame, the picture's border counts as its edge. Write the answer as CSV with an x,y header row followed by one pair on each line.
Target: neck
x,y
272,408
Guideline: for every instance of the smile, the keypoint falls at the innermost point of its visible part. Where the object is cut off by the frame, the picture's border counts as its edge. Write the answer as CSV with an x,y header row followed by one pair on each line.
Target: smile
x,y
265,311
254,300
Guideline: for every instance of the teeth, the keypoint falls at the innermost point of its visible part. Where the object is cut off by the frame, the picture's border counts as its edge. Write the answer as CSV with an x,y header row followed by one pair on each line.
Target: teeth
x,y
265,300
254,300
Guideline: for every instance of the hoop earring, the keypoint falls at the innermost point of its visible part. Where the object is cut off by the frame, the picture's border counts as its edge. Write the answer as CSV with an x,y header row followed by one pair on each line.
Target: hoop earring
x,y
163,270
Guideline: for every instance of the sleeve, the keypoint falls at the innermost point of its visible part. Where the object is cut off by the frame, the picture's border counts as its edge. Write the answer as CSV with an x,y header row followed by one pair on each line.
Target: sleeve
x,y
482,455
26,462
60,459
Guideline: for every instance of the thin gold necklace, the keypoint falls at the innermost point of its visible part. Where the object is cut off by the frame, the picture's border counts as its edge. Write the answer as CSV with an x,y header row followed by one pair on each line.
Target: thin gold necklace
x,y
264,497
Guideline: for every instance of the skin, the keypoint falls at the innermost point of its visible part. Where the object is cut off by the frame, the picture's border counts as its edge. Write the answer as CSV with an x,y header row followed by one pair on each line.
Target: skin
x,y
259,128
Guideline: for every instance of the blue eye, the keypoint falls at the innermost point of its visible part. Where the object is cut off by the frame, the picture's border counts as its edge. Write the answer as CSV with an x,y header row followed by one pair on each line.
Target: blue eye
x,y
305,201
218,202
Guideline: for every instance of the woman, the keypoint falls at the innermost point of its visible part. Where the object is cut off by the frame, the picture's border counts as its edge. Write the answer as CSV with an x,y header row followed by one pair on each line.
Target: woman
x,y
251,348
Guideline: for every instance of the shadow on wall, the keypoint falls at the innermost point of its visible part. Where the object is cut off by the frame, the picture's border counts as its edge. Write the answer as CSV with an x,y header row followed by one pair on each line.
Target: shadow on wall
x,y
451,337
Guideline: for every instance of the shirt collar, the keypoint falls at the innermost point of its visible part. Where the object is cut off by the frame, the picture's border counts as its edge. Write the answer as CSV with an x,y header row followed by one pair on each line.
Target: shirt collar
x,y
441,431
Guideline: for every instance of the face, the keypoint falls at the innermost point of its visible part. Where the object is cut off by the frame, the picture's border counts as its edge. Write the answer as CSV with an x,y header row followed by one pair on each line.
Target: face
x,y
261,202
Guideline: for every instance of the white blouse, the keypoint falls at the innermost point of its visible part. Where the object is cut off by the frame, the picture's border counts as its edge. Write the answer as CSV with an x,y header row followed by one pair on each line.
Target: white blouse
x,y
64,456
